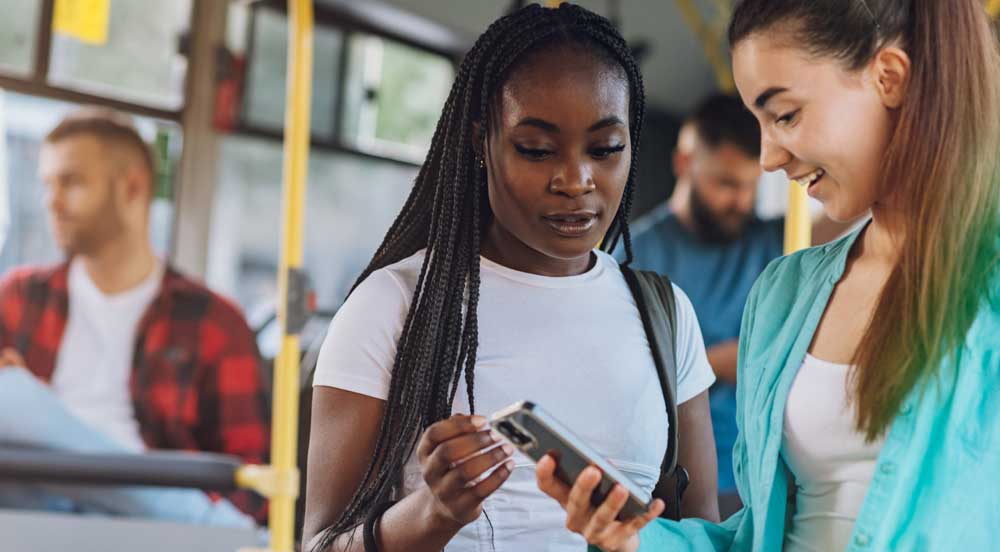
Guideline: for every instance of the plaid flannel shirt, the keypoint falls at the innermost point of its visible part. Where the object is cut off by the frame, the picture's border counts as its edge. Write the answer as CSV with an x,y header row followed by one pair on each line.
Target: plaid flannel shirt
x,y
195,382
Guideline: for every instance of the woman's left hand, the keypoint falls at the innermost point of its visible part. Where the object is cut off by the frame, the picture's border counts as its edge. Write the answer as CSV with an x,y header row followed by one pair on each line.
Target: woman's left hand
x,y
598,525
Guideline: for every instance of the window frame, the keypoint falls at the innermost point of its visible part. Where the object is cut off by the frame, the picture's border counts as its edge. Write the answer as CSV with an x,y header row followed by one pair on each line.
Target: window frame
x,y
37,84
349,20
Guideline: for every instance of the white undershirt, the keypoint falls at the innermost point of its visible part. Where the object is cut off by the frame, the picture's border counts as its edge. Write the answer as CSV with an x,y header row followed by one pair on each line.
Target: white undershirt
x,y
831,462
94,364
574,345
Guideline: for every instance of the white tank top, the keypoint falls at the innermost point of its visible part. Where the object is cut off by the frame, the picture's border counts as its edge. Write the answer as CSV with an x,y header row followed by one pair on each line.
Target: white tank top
x,y
831,462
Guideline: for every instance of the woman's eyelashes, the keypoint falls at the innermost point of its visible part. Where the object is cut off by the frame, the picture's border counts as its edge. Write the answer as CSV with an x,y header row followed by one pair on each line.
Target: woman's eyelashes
x,y
540,154
787,118
604,153
534,154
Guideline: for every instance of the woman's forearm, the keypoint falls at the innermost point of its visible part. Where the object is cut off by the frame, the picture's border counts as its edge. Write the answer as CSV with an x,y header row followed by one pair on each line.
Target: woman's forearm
x,y
411,525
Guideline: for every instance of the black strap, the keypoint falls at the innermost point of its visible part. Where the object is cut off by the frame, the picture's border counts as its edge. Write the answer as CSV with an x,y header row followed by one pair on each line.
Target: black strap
x,y
654,298
371,545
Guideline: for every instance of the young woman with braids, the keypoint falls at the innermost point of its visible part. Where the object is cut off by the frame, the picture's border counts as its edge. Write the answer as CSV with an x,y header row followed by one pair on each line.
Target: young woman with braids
x,y
892,440
488,290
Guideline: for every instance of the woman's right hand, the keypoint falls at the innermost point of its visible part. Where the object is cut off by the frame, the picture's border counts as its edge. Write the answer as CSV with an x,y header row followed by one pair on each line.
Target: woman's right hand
x,y
600,525
454,456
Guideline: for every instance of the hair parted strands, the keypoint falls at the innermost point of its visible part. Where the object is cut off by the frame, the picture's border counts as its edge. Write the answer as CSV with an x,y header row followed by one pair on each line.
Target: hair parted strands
x,y
941,168
446,213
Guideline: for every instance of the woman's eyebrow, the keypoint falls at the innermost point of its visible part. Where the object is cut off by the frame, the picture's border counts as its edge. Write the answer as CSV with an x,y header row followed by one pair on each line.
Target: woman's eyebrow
x,y
539,123
766,96
612,120
605,123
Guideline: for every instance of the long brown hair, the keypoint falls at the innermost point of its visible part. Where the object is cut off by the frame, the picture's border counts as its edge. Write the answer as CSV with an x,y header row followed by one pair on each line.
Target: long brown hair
x,y
941,167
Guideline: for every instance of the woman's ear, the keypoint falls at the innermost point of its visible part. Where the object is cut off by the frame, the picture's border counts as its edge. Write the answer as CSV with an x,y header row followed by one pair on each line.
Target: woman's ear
x,y
891,75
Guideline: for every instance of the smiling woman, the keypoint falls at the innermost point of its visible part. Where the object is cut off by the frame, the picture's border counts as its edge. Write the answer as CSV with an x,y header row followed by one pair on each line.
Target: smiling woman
x,y
868,368
490,275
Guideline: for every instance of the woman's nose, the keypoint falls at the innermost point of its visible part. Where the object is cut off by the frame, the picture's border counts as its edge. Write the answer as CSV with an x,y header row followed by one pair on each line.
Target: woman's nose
x,y
773,157
572,180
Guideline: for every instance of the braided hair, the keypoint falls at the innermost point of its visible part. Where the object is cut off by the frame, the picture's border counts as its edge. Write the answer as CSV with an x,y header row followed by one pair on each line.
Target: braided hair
x,y
446,213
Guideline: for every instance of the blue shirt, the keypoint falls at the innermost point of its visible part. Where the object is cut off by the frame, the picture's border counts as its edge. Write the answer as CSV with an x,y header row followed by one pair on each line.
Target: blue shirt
x,y
717,278
936,481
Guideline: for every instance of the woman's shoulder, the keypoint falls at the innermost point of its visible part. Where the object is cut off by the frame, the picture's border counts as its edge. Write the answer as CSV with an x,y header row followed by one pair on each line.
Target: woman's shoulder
x,y
360,344
400,276
804,269
388,289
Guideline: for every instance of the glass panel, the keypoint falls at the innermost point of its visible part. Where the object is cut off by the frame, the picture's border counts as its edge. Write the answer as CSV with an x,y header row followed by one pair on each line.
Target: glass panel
x,y
139,63
352,201
24,232
395,96
17,35
265,90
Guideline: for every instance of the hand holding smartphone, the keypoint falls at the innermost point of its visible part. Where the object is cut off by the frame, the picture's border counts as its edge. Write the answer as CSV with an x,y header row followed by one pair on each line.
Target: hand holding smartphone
x,y
536,433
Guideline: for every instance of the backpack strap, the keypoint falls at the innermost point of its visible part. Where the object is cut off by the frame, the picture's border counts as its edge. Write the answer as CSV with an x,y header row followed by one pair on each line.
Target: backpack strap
x,y
654,298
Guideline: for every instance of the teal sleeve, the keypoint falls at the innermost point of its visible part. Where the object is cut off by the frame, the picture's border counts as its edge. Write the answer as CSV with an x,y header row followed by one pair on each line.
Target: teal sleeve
x,y
689,535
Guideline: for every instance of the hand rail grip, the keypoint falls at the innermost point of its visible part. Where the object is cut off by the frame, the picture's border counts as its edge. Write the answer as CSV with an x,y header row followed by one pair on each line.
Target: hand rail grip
x,y
206,471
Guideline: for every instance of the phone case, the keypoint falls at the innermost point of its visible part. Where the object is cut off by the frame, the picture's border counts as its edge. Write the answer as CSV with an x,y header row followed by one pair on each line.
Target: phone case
x,y
536,433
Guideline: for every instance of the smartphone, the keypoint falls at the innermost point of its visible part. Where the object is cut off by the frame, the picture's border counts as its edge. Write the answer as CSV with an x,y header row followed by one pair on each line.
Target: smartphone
x,y
536,433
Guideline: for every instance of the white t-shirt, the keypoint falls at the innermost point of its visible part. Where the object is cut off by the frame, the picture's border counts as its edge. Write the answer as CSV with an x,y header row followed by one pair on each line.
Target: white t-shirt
x,y
574,345
94,364
832,463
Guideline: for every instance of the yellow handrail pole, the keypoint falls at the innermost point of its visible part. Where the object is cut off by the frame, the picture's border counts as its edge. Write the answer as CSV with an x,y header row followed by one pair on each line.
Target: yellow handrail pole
x,y
993,8
284,424
798,224
711,43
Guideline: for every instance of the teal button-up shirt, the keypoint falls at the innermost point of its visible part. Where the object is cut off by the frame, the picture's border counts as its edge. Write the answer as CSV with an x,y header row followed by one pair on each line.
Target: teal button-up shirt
x,y
937,481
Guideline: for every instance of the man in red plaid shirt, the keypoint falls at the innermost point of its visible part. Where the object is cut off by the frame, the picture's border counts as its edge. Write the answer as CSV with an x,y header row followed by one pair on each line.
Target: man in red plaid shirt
x,y
131,348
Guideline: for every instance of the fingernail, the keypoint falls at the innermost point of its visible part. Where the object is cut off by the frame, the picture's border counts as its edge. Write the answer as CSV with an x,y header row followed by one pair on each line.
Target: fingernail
x,y
508,449
495,436
509,464
479,421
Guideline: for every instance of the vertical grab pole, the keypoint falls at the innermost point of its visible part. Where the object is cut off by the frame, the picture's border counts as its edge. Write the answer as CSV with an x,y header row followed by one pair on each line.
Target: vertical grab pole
x,y
291,284
798,226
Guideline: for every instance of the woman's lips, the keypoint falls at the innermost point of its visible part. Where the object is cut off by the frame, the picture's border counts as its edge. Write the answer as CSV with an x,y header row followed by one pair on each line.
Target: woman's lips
x,y
811,190
571,225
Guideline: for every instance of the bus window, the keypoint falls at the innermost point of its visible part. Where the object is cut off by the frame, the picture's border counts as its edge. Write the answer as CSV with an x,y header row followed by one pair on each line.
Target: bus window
x,y
375,104
141,60
351,202
265,88
373,95
17,35
394,96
